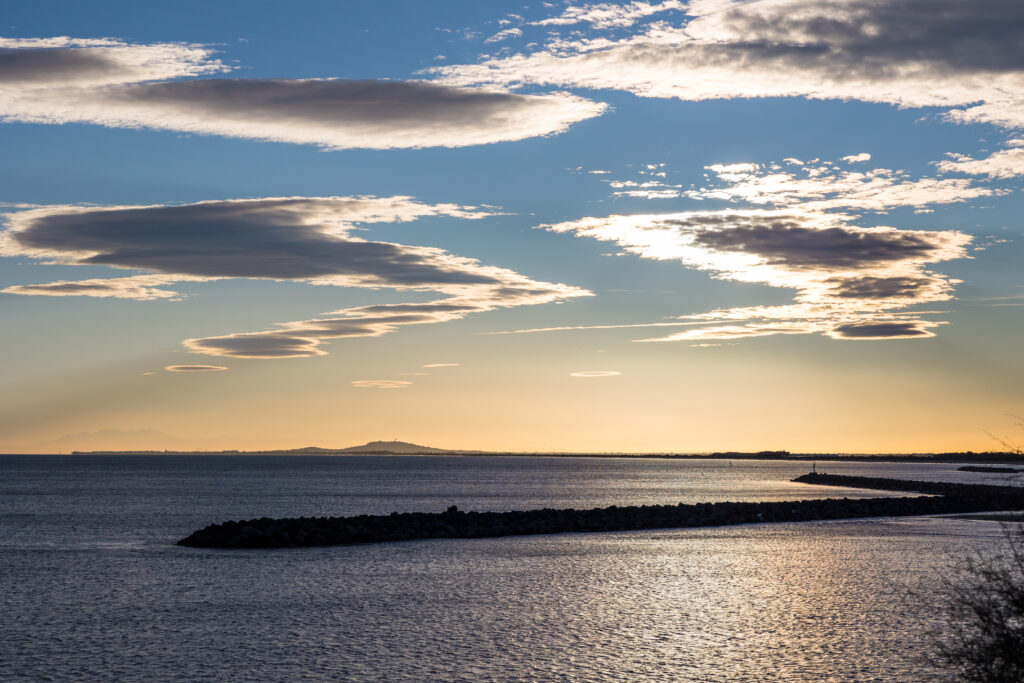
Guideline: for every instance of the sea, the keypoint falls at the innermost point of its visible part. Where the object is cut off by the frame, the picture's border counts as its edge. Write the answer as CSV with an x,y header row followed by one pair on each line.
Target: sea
x,y
95,589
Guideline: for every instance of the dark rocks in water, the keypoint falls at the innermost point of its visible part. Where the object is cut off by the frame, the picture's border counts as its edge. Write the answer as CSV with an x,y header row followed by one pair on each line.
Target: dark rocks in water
x,y
988,468
321,531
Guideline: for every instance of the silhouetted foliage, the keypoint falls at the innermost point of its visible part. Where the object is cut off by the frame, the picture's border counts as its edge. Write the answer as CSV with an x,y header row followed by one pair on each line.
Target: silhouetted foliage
x,y
985,607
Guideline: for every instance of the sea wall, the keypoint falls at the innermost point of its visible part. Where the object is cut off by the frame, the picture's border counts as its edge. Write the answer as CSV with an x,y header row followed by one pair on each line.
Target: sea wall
x,y
453,523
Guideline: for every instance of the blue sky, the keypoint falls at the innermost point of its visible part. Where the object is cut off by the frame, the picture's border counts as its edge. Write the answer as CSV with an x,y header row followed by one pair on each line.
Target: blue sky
x,y
811,208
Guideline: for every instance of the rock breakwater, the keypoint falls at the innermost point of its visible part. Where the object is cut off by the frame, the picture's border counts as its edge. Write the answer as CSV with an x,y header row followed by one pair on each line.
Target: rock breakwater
x,y
989,469
940,498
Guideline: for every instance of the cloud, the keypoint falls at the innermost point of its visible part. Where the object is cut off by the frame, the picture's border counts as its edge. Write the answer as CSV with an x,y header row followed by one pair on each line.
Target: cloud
x,y
887,52
280,237
381,384
441,365
820,186
856,158
306,239
849,281
137,287
1005,163
847,278
505,34
609,15
884,330
41,63
563,328
651,189
595,373
194,368
124,85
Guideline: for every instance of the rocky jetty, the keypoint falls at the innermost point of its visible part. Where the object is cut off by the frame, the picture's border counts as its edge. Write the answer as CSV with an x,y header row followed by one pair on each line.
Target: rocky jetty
x,y
938,498
989,469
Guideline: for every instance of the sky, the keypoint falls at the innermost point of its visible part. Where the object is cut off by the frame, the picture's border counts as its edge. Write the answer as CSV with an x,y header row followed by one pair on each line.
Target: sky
x,y
658,226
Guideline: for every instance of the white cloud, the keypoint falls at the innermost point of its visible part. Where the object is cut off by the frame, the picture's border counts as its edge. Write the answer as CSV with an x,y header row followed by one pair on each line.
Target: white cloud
x,y
595,373
381,383
440,365
563,328
194,368
820,186
889,52
856,158
305,239
505,35
122,85
1005,163
609,15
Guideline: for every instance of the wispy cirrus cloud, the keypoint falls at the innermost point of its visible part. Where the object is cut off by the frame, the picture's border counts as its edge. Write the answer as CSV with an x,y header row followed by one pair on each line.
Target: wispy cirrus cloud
x,y
305,239
888,52
124,85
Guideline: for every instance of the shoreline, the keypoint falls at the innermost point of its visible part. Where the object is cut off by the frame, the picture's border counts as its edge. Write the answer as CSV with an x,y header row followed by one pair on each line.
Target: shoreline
x,y
967,457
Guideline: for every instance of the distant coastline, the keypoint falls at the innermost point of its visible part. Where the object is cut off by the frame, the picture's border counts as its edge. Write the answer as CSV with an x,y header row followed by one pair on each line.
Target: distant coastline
x,y
966,457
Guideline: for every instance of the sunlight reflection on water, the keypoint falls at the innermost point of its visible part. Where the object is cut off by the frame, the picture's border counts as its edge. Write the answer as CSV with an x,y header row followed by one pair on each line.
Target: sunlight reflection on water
x,y
93,588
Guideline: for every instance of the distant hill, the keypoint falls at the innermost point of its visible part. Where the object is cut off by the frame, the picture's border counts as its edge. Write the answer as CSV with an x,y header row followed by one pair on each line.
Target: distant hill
x,y
396,447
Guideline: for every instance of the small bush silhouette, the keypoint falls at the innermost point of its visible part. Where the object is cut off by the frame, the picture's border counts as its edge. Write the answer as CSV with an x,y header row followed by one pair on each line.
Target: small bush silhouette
x,y
985,607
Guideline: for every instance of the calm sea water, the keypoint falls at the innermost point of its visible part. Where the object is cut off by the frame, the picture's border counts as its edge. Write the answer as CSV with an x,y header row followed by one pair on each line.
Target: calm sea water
x,y
94,589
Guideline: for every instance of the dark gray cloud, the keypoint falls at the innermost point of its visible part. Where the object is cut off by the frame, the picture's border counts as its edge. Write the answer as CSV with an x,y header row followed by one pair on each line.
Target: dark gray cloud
x,y
334,102
790,244
287,238
862,38
868,287
882,330
83,288
35,65
257,345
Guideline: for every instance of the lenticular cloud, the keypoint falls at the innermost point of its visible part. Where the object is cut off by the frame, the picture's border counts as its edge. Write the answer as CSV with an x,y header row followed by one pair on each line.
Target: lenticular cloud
x,y
851,282
123,85
304,239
